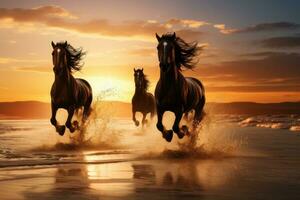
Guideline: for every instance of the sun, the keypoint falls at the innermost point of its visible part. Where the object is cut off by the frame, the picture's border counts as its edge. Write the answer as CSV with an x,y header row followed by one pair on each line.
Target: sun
x,y
111,88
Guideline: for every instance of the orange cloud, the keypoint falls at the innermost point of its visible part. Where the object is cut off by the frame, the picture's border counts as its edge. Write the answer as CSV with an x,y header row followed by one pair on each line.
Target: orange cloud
x,y
38,14
143,52
57,17
263,27
186,23
35,69
222,28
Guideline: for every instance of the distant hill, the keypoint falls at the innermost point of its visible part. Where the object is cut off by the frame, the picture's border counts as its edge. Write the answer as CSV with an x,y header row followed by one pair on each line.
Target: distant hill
x,y
24,110
40,110
252,108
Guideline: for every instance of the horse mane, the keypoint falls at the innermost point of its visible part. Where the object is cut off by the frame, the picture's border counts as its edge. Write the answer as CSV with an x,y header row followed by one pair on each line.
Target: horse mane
x,y
147,82
185,53
74,56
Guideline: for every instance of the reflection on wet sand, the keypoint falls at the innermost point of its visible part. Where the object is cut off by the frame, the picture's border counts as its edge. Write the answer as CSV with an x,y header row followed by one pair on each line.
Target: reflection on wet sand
x,y
157,179
180,179
136,180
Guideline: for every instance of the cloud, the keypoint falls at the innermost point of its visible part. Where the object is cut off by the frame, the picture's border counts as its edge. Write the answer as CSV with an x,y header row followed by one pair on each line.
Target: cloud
x,y
281,42
263,27
35,69
143,52
256,88
222,28
267,71
185,23
9,60
57,17
38,14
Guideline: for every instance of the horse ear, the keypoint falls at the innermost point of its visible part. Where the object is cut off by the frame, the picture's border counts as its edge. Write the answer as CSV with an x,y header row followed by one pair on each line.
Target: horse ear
x,y
134,69
66,43
157,37
53,45
174,36
142,69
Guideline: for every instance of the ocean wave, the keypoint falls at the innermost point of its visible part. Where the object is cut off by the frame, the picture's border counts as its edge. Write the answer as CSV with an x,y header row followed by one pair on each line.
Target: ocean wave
x,y
295,128
289,122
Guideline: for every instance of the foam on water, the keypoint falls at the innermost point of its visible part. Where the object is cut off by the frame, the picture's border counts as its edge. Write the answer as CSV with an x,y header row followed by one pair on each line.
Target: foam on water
x,y
290,122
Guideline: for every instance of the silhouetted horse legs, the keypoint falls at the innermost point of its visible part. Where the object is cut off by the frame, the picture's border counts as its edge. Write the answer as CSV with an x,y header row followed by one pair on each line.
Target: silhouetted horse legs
x,y
87,110
199,113
144,120
152,115
167,134
180,132
69,125
59,128
136,122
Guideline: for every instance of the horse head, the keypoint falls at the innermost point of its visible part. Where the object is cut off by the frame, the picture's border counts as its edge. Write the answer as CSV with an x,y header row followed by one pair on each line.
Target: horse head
x,y
59,57
166,51
139,78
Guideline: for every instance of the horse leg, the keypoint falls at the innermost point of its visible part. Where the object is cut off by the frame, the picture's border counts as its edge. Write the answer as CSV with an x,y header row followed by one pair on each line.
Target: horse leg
x,y
69,119
136,122
53,116
176,129
199,114
144,120
152,114
59,129
167,134
87,110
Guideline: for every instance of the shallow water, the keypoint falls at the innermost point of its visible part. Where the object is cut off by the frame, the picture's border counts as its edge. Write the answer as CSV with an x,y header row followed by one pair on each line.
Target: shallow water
x,y
122,161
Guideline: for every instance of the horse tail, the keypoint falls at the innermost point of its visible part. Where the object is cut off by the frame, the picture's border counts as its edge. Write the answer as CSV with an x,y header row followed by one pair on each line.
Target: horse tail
x,y
89,97
153,105
199,112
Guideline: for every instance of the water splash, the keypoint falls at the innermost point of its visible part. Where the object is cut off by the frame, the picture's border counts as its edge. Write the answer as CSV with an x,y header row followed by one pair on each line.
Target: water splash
x,y
211,139
94,134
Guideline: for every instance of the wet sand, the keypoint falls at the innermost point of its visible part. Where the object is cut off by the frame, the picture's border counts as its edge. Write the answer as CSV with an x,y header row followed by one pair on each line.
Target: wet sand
x,y
138,164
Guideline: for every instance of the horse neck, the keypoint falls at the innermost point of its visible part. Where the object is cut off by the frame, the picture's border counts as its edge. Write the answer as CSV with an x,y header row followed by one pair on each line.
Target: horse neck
x,y
140,92
64,79
171,76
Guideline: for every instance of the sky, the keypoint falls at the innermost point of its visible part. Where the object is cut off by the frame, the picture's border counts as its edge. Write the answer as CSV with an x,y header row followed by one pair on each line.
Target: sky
x,y
250,48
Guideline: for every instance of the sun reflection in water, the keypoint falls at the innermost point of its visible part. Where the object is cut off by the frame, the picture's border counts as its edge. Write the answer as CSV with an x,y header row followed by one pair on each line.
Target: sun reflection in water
x,y
113,179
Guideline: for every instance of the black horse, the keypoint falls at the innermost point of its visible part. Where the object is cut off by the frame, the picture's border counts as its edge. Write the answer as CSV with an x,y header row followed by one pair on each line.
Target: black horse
x,y
173,91
142,101
68,92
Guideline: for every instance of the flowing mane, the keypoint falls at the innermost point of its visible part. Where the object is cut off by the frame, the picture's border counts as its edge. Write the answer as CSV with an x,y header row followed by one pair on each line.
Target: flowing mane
x,y
74,56
147,83
185,53
145,79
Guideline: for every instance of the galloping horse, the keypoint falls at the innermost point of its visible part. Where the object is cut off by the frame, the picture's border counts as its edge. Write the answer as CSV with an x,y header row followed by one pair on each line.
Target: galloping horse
x,y
173,91
68,92
142,101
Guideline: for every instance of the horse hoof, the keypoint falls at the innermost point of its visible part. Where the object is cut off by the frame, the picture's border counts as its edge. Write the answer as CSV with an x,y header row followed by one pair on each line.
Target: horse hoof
x,y
180,134
168,135
137,123
72,129
185,130
76,125
60,130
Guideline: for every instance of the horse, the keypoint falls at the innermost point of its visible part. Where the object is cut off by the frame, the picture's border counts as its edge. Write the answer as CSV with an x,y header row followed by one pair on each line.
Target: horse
x,y
68,92
142,101
173,91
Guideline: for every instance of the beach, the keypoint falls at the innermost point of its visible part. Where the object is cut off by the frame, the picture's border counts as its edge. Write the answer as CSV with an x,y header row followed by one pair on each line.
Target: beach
x,y
233,162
